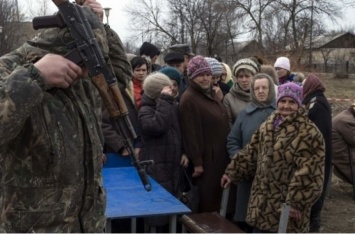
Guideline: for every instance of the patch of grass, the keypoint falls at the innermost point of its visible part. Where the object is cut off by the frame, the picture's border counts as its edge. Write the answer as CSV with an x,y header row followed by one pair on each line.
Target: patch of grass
x,y
338,89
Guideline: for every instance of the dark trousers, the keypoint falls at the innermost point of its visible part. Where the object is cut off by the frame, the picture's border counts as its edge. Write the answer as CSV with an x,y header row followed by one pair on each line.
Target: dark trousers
x,y
245,227
315,221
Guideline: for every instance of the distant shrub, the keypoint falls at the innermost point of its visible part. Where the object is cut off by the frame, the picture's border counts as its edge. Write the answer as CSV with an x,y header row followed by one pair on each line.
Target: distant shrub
x,y
340,75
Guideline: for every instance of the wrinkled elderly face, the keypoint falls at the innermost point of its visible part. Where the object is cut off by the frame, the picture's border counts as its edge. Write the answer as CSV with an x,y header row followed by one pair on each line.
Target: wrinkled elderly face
x,y
286,106
261,89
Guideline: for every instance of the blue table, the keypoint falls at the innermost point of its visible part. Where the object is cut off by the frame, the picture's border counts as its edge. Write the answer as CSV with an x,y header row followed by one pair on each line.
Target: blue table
x,y
117,160
127,198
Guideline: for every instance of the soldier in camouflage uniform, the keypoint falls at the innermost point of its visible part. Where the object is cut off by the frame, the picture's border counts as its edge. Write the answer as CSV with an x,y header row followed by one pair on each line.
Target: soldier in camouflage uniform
x,y
50,139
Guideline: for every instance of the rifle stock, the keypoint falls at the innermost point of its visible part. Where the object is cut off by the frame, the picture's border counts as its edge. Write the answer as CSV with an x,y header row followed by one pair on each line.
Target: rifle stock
x,y
50,21
87,52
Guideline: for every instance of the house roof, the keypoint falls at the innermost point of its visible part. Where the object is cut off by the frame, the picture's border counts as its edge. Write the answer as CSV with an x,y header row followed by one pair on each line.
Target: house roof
x,y
240,45
321,41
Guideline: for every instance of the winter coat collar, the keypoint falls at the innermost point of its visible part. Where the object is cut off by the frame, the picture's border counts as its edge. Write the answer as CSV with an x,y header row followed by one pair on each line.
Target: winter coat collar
x,y
251,107
240,94
316,93
201,91
299,116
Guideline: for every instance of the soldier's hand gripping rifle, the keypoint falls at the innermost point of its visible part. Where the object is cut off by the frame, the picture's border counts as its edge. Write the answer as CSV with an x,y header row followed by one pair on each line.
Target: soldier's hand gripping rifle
x,y
86,51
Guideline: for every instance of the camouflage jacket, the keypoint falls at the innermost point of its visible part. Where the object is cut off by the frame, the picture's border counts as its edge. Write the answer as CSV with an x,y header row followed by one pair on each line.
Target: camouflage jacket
x,y
50,150
288,164
118,58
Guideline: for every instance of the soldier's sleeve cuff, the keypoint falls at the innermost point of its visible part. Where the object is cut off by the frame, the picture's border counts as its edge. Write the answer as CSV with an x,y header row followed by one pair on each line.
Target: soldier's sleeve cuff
x,y
35,75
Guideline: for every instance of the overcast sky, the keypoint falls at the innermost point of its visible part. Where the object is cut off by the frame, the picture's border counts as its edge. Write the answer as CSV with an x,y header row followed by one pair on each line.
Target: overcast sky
x,y
119,19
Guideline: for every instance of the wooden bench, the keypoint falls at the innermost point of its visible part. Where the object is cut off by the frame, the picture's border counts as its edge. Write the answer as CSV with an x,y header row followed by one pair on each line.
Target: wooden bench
x,y
210,222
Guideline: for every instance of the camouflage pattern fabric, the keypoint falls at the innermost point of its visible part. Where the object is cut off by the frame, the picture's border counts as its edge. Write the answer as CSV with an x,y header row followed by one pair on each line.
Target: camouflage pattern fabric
x,y
118,57
288,165
50,145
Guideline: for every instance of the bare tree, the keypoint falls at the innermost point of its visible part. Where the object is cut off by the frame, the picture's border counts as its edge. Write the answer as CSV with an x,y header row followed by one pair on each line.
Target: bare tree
x,y
148,19
326,52
187,12
9,21
303,19
40,8
212,26
210,14
230,26
254,12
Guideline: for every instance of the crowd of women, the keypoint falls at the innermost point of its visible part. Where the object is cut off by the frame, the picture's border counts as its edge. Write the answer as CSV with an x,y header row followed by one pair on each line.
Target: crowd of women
x,y
259,126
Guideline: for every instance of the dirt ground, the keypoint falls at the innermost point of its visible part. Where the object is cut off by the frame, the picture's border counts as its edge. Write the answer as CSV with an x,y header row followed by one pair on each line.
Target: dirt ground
x,y
338,215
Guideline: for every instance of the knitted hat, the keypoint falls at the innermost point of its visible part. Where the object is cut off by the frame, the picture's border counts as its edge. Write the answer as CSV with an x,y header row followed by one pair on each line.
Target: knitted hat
x,y
291,90
154,83
215,66
174,57
196,66
172,73
283,62
148,49
246,63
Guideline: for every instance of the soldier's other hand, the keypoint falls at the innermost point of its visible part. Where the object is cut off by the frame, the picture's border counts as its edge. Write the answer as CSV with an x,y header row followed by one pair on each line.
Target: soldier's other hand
x,y
225,181
58,71
96,7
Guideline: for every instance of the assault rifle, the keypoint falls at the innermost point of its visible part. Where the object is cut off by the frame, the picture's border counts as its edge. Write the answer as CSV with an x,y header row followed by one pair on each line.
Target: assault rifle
x,y
86,51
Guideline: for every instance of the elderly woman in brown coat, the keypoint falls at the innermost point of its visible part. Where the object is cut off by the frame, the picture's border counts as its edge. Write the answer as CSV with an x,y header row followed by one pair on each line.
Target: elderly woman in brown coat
x,y
204,123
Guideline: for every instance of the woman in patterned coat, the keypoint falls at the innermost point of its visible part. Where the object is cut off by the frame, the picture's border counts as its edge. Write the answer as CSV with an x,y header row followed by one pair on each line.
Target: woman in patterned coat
x,y
286,157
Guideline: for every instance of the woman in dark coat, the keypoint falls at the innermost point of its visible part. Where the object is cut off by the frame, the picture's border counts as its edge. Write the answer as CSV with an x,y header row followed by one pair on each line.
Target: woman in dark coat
x,y
319,112
204,124
160,131
161,135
